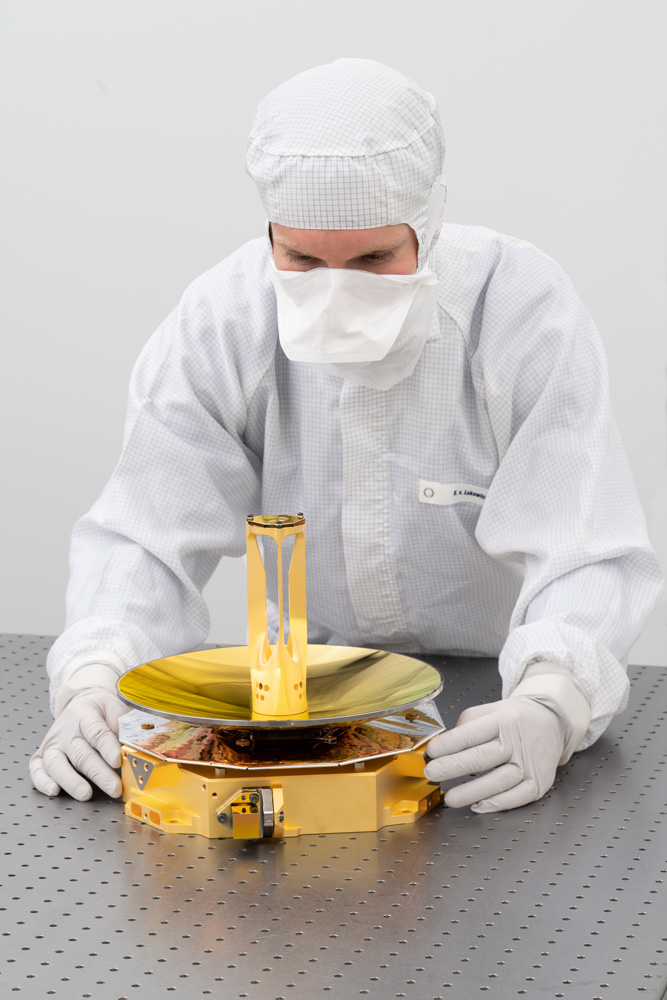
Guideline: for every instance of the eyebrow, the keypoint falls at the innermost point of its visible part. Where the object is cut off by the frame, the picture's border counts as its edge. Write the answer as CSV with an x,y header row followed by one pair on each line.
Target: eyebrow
x,y
382,248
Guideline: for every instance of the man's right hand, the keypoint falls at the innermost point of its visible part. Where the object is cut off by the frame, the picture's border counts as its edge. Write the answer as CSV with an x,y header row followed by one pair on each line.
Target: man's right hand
x,y
83,741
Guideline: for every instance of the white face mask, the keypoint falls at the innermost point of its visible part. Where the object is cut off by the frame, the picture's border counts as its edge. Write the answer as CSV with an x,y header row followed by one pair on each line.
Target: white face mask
x,y
369,328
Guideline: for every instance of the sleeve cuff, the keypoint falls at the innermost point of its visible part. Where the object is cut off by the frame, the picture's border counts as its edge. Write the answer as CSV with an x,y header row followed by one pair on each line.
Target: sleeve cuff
x,y
88,672
553,686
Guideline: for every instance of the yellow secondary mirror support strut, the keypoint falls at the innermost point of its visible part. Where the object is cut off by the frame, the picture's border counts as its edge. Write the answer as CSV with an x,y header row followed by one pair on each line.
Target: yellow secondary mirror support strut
x,y
278,673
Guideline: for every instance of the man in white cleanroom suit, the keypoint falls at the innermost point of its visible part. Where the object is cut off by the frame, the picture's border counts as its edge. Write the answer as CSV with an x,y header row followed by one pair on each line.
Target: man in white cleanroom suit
x,y
433,397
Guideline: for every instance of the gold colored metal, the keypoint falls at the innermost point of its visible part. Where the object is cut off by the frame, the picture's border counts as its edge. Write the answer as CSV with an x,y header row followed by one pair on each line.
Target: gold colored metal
x,y
278,675
186,798
345,683
338,757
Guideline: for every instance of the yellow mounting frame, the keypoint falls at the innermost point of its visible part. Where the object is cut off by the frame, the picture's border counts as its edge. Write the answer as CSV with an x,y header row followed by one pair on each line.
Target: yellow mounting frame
x,y
218,802
278,674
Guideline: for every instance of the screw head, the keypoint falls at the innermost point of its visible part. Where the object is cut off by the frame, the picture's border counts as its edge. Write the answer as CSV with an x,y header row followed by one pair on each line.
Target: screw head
x,y
221,817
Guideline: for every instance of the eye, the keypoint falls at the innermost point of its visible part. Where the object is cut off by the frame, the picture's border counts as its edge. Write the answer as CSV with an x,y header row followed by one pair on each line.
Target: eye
x,y
378,258
297,258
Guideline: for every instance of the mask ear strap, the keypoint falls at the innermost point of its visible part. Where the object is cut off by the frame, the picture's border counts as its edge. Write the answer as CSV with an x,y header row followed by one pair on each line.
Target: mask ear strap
x,y
434,213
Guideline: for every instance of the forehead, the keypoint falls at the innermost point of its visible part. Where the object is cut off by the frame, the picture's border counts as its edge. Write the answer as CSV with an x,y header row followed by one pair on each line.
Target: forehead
x,y
316,242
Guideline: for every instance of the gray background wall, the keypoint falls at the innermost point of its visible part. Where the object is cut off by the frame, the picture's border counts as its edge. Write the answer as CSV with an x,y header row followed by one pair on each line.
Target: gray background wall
x,y
124,129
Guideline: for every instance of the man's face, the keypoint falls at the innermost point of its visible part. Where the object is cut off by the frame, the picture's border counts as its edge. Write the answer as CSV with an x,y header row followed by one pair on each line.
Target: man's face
x,y
385,250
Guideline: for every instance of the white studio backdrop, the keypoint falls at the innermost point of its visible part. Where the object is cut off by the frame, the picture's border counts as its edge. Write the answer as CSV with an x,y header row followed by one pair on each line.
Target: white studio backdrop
x,y
124,128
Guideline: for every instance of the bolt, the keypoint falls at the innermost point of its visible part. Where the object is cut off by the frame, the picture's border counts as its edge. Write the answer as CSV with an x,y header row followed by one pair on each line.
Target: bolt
x,y
221,817
254,797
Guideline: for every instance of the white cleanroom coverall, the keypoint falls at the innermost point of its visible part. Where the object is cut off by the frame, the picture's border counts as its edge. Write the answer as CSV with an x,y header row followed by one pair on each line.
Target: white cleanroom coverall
x,y
466,493
481,506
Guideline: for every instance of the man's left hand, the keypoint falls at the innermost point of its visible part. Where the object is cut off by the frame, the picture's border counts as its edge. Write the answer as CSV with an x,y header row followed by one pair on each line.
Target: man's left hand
x,y
514,745
518,742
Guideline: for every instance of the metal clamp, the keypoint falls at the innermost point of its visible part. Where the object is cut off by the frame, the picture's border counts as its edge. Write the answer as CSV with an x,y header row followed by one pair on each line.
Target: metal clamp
x,y
248,813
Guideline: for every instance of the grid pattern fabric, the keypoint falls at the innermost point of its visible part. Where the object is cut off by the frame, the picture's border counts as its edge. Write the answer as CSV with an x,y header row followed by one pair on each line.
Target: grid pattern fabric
x,y
349,145
508,400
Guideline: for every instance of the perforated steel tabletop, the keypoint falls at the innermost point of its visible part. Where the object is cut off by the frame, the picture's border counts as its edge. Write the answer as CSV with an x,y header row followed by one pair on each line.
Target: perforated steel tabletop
x,y
563,898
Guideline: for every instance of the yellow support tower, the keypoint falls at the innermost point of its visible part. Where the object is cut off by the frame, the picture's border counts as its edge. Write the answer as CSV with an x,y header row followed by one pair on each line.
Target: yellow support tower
x,y
278,674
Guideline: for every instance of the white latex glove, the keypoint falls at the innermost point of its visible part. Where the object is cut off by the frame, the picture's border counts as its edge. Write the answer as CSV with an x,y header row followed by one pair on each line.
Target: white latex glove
x,y
519,742
83,740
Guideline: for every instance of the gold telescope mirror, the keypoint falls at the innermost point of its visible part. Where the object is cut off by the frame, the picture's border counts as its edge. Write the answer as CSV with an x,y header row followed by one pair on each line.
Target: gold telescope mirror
x,y
290,683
